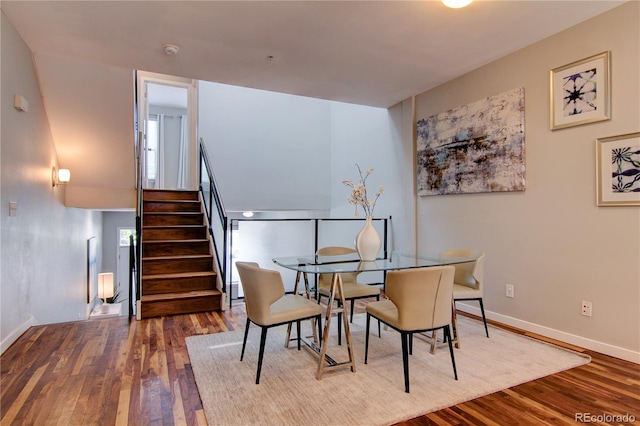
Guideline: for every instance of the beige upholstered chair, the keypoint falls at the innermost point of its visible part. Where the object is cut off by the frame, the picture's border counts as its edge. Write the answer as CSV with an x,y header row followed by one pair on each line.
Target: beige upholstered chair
x,y
419,301
352,289
268,306
469,279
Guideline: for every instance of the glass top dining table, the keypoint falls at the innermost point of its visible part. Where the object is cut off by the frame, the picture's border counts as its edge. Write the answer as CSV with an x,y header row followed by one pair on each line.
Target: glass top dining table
x,y
314,264
339,264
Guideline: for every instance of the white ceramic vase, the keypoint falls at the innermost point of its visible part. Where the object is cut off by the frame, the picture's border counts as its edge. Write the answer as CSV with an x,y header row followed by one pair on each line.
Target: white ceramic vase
x,y
368,242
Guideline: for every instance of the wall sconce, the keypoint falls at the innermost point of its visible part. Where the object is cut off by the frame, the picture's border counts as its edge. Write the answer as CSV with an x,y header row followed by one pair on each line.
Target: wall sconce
x,y
105,289
60,176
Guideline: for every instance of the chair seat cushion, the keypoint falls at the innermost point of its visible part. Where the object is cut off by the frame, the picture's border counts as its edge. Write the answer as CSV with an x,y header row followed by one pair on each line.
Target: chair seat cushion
x,y
465,292
352,290
291,308
384,310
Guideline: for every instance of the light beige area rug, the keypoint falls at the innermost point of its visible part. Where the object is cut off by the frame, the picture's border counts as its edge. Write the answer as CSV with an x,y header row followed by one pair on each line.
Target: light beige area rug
x,y
289,394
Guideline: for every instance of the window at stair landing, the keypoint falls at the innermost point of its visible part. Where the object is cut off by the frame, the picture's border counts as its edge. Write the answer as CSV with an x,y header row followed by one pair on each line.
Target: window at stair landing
x,y
152,151
124,234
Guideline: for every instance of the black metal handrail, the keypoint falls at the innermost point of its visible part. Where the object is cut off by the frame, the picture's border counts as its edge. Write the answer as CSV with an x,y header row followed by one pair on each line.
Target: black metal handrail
x,y
212,195
316,233
137,257
133,273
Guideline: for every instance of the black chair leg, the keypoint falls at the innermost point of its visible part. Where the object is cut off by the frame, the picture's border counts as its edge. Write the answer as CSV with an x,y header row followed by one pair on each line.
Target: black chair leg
x,y
366,339
379,334
484,318
319,322
298,330
263,338
405,359
244,342
353,302
410,343
447,336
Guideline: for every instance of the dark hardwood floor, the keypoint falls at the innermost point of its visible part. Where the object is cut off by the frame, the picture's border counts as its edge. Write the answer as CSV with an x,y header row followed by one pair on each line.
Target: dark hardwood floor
x,y
112,372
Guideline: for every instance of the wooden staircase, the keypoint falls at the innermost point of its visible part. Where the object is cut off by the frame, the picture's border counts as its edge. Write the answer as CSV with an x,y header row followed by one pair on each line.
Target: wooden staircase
x,y
177,263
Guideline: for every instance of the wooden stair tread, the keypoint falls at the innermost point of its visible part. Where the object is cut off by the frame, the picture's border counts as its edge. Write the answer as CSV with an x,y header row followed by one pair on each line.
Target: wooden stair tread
x,y
198,240
177,264
171,226
180,213
180,256
180,275
180,295
169,201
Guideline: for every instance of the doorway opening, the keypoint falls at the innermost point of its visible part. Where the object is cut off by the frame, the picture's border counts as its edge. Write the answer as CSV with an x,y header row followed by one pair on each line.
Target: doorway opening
x,y
123,269
168,123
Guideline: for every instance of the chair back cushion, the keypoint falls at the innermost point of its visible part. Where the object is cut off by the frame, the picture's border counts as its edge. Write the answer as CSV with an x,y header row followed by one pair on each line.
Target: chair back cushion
x,y
324,280
468,274
262,287
423,296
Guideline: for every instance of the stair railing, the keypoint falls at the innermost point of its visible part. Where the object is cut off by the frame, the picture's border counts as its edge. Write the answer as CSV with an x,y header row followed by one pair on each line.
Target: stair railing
x,y
218,222
133,273
136,258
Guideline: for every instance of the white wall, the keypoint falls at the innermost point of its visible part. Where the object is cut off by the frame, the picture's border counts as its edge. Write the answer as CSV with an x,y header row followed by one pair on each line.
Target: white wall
x,y
552,241
372,138
44,247
272,151
269,151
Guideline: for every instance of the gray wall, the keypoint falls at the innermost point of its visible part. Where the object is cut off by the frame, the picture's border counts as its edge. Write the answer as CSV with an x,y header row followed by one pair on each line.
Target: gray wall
x,y
43,256
111,221
552,241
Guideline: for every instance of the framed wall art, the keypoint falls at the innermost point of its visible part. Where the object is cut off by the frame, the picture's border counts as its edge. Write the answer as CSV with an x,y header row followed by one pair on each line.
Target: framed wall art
x,y
580,92
474,148
618,170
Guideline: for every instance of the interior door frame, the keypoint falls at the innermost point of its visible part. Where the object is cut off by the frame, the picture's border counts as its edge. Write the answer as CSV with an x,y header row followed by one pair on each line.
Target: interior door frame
x,y
144,77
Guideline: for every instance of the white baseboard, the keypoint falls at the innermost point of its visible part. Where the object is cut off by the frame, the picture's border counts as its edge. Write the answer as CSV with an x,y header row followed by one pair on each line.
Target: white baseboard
x,y
15,334
583,342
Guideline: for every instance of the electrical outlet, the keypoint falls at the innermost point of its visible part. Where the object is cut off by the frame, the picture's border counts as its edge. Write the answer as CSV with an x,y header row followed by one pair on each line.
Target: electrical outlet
x,y
586,308
510,291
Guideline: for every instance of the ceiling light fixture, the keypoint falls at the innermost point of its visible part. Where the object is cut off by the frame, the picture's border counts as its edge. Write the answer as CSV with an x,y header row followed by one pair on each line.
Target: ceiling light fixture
x,y
456,4
171,49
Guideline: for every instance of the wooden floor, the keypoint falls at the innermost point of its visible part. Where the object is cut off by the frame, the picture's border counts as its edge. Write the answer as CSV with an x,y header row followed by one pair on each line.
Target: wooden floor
x,y
112,372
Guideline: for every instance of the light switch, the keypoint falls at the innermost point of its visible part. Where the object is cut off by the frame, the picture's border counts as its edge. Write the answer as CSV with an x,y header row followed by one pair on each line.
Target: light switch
x,y
13,208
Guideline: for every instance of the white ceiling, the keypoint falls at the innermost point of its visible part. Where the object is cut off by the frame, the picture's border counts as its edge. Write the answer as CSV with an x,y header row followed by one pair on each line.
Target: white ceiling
x,y
374,53
365,52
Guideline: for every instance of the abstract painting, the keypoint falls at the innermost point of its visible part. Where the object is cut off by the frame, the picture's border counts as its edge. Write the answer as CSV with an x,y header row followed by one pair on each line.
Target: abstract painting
x,y
580,92
618,175
478,147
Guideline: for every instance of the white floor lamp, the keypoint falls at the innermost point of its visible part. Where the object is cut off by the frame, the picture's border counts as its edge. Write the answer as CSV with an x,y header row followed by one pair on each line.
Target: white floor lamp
x,y
105,289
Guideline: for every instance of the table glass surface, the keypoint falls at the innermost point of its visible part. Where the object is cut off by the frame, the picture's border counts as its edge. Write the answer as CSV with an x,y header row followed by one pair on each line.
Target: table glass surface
x,y
314,264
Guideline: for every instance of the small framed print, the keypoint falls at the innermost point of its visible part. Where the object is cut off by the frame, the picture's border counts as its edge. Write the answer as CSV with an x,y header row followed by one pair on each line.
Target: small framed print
x,y
580,92
618,170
